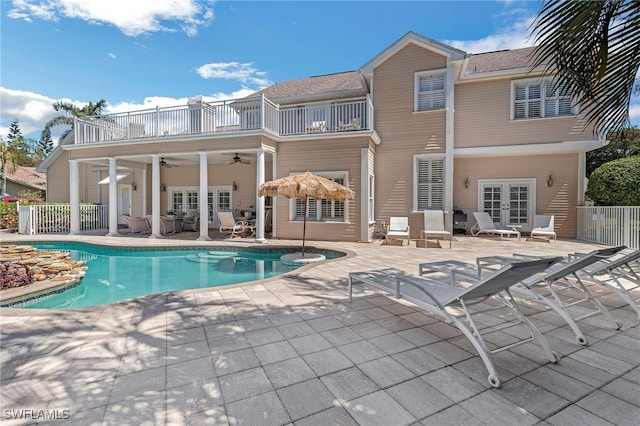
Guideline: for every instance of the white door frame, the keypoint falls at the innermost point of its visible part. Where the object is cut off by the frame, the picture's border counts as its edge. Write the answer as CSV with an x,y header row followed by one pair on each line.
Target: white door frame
x,y
215,206
506,217
124,206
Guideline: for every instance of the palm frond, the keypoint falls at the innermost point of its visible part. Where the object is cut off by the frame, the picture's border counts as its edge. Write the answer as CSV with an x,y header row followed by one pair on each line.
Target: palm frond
x,y
593,49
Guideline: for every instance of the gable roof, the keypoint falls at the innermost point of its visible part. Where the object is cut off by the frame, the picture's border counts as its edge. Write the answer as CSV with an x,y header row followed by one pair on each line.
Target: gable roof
x,y
27,176
342,84
411,37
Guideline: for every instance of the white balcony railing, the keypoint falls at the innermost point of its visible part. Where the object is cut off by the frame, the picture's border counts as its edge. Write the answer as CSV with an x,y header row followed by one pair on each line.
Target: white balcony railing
x,y
54,218
199,117
613,226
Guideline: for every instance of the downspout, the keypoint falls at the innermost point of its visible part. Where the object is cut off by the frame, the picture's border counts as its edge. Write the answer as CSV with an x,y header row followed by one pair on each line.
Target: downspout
x,y
449,145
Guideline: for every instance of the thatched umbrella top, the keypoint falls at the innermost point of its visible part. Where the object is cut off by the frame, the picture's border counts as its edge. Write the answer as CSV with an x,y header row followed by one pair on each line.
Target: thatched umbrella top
x,y
306,185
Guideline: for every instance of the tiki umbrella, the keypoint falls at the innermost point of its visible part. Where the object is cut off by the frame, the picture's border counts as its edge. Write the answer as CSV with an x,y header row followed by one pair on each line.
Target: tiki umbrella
x,y
304,186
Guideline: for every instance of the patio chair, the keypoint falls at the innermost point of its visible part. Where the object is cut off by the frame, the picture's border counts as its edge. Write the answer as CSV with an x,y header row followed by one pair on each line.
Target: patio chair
x,y
562,278
190,223
135,224
398,229
167,226
543,226
434,226
609,272
457,305
229,227
484,225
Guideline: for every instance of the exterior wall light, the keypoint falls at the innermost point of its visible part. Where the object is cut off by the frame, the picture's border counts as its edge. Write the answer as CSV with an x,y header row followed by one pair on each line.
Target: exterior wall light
x,y
550,181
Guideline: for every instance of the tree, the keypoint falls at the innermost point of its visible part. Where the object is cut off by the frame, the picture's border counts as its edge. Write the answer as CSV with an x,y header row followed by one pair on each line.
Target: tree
x,y
71,111
616,183
593,50
7,162
22,150
622,144
45,144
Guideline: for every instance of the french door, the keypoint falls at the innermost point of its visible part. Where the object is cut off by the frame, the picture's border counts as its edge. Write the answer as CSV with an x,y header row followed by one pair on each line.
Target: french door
x,y
508,201
219,198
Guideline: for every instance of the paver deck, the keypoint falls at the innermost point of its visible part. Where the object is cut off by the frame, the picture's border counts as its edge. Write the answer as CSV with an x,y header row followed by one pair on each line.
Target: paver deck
x,y
294,351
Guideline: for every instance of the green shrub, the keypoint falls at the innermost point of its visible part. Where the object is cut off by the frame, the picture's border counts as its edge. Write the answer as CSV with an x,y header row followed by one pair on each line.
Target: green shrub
x,y
616,183
8,215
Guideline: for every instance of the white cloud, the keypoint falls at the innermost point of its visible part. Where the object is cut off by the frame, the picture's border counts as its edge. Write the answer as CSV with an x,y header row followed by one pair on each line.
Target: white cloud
x,y
111,55
514,36
32,111
634,114
242,72
133,18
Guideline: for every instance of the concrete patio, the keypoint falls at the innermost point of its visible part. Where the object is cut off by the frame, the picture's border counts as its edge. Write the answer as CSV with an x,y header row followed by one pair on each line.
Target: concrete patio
x,y
294,351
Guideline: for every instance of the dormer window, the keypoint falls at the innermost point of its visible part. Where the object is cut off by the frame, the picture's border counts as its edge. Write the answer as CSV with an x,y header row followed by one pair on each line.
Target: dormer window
x,y
539,98
429,90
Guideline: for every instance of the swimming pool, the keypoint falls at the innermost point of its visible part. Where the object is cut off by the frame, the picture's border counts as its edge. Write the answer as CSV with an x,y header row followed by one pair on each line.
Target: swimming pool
x,y
120,273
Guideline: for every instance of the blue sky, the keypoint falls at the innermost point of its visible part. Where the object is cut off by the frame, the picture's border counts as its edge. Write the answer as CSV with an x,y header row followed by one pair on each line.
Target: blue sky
x,y
142,53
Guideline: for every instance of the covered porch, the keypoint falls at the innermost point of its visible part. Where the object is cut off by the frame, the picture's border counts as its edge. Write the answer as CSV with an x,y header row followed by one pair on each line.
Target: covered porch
x,y
153,186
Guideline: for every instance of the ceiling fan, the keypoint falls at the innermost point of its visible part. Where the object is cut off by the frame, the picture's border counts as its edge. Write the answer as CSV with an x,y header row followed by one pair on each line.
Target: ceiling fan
x,y
236,159
163,163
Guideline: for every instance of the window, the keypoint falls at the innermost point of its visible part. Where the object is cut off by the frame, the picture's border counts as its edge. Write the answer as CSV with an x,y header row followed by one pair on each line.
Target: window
x,y
322,210
430,91
539,98
429,183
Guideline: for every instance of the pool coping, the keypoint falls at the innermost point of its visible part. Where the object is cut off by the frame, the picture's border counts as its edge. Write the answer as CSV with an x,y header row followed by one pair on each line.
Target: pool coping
x,y
46,287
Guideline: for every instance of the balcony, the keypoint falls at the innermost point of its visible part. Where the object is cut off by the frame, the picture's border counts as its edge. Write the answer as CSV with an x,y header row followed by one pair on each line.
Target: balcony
x,y
222,117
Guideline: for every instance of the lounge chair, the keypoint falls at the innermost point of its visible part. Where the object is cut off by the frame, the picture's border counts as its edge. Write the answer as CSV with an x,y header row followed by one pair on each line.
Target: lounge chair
x,y
398,229
543,226
484,225
135,224
457,305
229,227
609,272
434,226
562,277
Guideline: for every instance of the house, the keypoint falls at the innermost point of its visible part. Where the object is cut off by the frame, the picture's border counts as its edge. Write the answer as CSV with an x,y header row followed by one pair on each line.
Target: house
x,y
22,179
420,126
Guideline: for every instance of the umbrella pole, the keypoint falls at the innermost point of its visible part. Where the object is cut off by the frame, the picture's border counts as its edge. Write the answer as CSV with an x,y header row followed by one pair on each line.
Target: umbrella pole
x,y
304,223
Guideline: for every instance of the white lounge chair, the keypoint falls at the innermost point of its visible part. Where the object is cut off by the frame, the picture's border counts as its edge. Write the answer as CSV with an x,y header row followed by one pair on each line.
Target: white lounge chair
x,y
434,226
543,226
457,305
609,272
398,229
563,277
484,225
136,224
229,227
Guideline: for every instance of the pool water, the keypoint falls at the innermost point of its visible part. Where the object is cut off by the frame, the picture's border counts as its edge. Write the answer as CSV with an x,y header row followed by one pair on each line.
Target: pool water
x,y
115,274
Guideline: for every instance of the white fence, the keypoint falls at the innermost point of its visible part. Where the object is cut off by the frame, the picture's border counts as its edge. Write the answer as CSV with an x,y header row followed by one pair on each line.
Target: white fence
x,y
613,226
54,218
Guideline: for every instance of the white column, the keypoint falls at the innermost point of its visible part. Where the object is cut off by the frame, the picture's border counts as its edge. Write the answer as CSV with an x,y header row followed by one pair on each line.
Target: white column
x,y
74,197
155,196
203,197
144,191
259,200
449,146
113,198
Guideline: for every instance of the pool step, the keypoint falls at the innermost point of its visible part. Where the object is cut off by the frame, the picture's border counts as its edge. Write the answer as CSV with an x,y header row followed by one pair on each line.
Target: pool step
x,y
211,257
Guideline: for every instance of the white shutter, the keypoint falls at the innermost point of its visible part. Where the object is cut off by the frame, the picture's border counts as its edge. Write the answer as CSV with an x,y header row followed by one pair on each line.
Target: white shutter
x,y
431,92
430,185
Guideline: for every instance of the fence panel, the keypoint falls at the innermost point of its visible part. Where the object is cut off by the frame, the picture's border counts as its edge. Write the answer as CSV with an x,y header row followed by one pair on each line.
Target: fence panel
x,y
610,225
55,218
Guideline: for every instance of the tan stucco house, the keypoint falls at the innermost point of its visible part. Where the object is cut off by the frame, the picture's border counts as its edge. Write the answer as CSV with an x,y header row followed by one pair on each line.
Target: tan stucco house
x,y
420,126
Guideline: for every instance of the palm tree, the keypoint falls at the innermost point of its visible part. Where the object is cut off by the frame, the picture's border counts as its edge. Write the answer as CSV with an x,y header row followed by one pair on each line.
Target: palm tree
x,y
593,49
72,111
